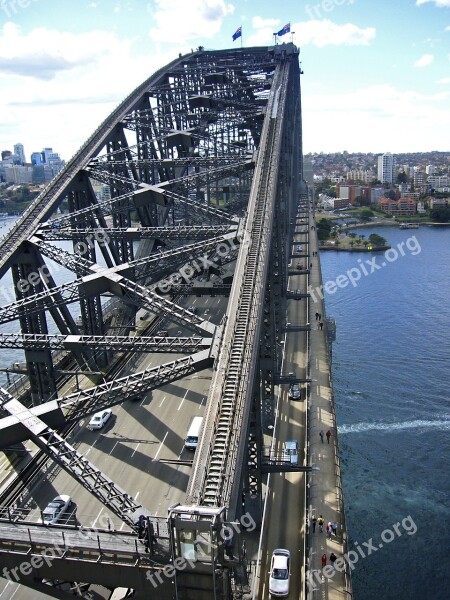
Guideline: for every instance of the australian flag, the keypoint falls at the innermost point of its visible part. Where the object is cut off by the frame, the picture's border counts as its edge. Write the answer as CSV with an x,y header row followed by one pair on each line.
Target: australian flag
x,y
286,29
237,33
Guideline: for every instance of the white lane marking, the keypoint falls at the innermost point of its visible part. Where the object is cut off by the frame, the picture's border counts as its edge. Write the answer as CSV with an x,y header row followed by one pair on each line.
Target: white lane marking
x,y
6,587
137,494
135,449
184,397
161,445
113,448
97,517
162,401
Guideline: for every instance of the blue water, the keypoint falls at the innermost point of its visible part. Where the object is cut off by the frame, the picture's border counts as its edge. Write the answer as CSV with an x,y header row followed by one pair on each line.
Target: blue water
x,y
391,376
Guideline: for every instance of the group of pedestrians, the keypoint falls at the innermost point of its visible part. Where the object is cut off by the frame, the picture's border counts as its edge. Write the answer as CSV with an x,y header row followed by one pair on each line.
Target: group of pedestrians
x,y
333,559
328,434
331,528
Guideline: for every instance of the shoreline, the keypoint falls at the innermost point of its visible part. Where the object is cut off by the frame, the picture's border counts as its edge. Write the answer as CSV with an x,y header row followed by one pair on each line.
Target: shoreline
x,y
357,249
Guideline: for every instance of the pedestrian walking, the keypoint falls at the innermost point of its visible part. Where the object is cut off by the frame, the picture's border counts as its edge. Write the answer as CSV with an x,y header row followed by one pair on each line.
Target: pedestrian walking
x,y
317,316
141,524
314,521
324,560
333,559
328,434
321,325
334,526
320,522
321,435
329,530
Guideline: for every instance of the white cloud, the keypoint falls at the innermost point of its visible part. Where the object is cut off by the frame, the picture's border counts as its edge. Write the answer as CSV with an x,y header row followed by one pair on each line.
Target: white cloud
x,y
377,116
424,60
317,33
439,3
259,22
43,53
74,84
182,20
444,80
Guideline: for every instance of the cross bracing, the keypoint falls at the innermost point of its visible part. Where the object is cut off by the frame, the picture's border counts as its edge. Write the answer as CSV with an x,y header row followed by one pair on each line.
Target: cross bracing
x,y
195,158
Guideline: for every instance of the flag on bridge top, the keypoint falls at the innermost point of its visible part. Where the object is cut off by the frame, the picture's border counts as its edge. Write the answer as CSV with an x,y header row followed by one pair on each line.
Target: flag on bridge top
x,y
237,33
286,29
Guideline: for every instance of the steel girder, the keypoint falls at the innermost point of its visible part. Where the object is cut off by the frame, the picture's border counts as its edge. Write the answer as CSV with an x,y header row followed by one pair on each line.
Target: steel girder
x,y
117,343
208,105
92,479
81,404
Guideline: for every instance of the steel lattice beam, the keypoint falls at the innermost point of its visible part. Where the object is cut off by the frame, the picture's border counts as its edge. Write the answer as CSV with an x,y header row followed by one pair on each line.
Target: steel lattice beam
x,y
92,479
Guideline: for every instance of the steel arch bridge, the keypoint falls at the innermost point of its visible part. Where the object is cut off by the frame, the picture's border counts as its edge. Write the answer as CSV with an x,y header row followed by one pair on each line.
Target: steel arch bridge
x,y
202,169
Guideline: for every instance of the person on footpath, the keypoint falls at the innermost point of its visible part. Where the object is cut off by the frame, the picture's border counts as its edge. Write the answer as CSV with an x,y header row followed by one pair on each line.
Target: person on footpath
x,y
333,558
328,434
314,521
324,560
321,435
320,521
329,530
334,526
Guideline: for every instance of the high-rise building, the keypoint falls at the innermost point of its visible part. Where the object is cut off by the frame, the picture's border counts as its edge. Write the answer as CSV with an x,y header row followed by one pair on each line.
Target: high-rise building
x,y
20,152
387,168
36,158
6,154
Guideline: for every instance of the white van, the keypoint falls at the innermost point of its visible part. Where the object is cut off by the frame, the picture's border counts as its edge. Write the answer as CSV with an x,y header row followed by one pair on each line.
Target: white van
x,y
193,433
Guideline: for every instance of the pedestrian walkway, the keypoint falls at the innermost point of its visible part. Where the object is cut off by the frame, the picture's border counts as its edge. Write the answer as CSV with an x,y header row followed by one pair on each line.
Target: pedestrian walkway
x,y
325,493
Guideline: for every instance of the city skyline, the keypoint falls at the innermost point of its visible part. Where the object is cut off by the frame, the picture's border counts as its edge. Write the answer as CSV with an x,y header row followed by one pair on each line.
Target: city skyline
x,y
376,77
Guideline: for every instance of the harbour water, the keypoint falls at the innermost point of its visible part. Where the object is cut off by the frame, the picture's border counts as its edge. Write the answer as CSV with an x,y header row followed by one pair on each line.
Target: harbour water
x,y
391,382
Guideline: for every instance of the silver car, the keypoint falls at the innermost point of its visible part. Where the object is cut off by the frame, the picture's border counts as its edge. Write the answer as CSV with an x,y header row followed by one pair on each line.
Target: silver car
x,y
295,392
290,452
280,572
56,509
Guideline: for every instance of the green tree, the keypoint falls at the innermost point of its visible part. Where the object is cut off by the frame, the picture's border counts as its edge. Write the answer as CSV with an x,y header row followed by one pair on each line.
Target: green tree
x,y
323,229
366,214
377,240
440,214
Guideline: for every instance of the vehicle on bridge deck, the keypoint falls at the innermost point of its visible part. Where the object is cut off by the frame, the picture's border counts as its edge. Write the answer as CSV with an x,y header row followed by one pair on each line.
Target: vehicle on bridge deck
x,y
99,419
299,247
55,509
193,433
295,392
290,452
299,266
280,572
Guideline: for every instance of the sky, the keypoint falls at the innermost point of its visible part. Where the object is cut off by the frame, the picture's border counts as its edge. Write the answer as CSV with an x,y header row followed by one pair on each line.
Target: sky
x,y
376,72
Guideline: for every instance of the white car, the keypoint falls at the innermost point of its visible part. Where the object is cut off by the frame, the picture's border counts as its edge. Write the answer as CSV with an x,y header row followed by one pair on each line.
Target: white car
x,y
280,572
99,419
295,392
55,509
299,247
290,452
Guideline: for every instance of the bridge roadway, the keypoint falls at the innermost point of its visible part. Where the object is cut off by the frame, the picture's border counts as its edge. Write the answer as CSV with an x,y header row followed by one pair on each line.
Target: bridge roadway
x,y
283,526
145,437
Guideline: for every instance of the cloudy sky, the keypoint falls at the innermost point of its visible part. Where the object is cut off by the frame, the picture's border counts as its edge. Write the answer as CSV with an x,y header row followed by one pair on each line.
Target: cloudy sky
x,y
376,72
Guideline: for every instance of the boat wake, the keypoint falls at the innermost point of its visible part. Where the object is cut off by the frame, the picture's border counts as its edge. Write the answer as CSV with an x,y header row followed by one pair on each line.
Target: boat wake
x,y
443,424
